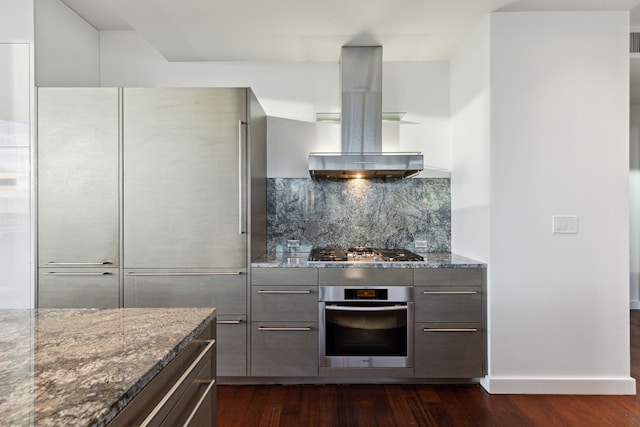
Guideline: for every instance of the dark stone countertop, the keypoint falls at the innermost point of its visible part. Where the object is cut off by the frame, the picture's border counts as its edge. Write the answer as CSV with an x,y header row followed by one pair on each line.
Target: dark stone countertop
x,y
301,259
80,367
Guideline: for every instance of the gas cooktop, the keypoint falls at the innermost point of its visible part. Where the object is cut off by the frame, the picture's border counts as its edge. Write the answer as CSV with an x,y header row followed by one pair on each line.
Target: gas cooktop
x,y
362,254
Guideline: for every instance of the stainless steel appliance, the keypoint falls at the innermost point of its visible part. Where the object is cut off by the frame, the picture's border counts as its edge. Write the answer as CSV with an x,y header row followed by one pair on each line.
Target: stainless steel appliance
x,y
365,327
362,254
361,123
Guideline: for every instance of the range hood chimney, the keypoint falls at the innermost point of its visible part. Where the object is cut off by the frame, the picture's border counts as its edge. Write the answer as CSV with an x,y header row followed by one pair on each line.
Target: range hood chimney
x,y
361,123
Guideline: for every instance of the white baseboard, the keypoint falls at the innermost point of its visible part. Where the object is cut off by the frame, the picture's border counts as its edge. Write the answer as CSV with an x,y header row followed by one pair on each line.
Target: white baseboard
x,y
634,305
595,386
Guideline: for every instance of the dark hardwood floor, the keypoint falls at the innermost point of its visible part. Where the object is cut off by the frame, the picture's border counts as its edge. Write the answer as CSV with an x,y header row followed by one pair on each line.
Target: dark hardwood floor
x,y
375,405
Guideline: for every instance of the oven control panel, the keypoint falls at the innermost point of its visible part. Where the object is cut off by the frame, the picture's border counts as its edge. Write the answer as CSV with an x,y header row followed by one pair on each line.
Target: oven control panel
x,y
366,294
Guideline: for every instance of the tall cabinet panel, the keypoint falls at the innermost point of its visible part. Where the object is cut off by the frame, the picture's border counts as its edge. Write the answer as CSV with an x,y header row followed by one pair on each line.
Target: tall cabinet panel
x,y
194,162
184,178
78,195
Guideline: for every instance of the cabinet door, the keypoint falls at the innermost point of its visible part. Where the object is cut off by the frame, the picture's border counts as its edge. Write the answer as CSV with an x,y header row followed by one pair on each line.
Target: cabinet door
x,y
78,184
226,291
232,346
284,303
284,349
184,178
448,304
449,350
78,288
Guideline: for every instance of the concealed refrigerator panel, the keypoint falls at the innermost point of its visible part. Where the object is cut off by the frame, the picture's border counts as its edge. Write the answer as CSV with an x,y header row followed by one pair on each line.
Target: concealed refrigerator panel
x,y
184,178
78,191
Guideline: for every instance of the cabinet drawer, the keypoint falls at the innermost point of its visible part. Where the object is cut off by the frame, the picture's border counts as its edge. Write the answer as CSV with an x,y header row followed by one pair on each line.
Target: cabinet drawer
x,y
284,276
197,363
282,349
195,406
186,289
78,288
449,350
449,276
448,304
284,303
365,276
231,346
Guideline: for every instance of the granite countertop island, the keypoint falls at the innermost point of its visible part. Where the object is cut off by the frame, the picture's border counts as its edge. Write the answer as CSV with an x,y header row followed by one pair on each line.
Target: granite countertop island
x,y
301,259
80,367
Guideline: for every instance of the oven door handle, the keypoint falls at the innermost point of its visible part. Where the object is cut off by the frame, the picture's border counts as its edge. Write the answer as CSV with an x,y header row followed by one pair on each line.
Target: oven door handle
x,y
363,308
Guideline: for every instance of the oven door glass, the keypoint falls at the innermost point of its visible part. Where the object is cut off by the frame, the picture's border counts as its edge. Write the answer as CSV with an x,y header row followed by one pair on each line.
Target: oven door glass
x,y
366,329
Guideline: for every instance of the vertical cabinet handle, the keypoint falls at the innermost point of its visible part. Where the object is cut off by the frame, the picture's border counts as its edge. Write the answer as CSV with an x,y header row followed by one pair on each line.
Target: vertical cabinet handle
x,y
241,210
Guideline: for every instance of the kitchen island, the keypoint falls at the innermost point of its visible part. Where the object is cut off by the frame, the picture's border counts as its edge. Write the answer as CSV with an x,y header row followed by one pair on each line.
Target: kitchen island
x,y
82,367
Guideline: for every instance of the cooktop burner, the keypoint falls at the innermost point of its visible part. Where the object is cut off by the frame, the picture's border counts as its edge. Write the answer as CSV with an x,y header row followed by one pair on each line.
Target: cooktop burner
x,y
362,254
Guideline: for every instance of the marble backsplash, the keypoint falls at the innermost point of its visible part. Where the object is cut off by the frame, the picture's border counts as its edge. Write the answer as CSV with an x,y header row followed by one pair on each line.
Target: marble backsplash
x,y
359,212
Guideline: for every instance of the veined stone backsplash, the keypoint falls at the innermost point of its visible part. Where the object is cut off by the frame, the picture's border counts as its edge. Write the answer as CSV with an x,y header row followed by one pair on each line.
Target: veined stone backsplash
x,y
359,212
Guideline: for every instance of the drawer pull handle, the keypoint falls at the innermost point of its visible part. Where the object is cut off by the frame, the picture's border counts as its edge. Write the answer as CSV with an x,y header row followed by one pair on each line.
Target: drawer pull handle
x,y
449,292
99,273
228,322
85,264
263,291
265,328
450,329
199,403
183,273
178,383
361,308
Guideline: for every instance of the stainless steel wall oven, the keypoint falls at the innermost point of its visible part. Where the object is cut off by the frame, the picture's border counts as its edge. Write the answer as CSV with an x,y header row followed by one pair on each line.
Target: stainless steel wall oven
x,y
366,327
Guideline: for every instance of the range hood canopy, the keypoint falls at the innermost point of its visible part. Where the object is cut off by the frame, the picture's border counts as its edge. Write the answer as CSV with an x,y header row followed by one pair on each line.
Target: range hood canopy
x,y
361,125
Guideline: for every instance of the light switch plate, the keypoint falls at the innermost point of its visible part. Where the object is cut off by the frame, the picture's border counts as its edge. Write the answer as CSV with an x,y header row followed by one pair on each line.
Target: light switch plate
x,y
564,224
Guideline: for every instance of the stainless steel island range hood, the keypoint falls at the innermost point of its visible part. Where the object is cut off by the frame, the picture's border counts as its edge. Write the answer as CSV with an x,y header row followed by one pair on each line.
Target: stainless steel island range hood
x,y
361,123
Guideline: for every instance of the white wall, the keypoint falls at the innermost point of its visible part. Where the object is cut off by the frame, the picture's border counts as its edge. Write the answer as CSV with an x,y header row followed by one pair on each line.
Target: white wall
x,y
559,319
16,21
67,47
634,208
296,91
16,81
471,147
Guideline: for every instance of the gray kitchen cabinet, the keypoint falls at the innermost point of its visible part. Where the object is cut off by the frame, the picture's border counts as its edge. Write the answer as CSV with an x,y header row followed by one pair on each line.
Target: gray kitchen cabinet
x,y
284,349
284,322
78,193
286,276
449,350
284,303
182,393
78,287
450,323
154,288
232,338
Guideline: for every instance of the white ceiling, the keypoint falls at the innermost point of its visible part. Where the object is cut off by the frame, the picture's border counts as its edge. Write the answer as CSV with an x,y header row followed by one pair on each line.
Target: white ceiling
x,y
311,30
308,30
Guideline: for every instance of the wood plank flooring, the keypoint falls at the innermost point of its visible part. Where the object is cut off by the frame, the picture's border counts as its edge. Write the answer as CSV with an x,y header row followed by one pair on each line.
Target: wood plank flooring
x,y
375,405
